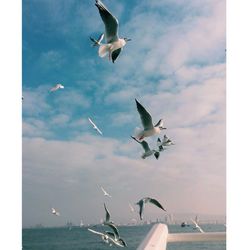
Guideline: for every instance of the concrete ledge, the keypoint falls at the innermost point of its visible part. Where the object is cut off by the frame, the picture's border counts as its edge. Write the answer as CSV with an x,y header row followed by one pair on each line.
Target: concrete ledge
x,y
156,239
187,237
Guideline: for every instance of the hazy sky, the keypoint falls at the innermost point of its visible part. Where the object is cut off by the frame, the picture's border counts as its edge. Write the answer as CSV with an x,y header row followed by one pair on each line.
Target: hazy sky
x,y
174,65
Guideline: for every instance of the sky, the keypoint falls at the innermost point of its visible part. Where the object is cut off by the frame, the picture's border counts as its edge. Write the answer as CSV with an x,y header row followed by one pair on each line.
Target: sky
x,y
175,66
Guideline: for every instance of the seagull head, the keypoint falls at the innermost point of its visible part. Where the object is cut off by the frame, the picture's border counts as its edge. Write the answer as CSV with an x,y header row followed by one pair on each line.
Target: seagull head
x,y
127,39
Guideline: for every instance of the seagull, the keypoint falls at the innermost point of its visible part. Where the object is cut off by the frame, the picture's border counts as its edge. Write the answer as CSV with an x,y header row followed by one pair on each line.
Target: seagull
x,y
105,193
114,44
146,120
196,226
143,201
95,127
131,208
148,152
166,141
55,212
107,237
58,86
98,41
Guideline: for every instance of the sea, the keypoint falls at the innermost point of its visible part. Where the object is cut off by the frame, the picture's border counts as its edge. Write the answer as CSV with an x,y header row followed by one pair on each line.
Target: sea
x,y
79,238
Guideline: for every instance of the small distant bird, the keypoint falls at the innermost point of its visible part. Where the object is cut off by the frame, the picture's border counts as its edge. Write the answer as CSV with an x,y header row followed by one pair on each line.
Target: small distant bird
x,y
114,44
98,41
166,141
55,212
131,208
58,86
196,226
148,128
105,193
142,203
95,127
148,152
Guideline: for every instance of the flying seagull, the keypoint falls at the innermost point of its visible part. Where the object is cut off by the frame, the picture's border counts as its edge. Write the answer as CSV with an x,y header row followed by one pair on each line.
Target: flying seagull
x,y
56,87
148,152
95,127
105,193
98,41
114,44
143,201
55,212
148,128
196,226
166,141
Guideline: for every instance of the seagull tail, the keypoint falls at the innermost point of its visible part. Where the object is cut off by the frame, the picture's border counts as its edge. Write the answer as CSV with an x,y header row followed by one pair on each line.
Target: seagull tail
x,y
103,50
137,132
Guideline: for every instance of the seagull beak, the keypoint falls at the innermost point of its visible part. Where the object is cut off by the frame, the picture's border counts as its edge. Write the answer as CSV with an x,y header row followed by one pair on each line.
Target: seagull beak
x,y
128,39
163,128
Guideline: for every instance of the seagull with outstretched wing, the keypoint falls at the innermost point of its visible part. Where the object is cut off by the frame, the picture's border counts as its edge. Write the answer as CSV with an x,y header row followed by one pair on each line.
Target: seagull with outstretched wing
x,y
95,127
114,44
148,128
145,200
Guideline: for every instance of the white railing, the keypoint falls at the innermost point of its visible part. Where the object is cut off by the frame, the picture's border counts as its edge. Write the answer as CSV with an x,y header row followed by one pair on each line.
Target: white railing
x,y
158,237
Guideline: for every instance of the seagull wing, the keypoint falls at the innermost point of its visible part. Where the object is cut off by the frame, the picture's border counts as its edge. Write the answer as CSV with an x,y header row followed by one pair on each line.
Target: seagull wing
x,y
145,146
107,213
115,54
197,226
110,22
159,142
95,232
114,228
123,242
146,118
99,131
91,122
135,139
157,154
100,38
141,206
155,202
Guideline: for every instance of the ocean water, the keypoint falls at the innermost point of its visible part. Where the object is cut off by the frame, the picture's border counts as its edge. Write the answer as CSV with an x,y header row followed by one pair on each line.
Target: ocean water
x,y
81,239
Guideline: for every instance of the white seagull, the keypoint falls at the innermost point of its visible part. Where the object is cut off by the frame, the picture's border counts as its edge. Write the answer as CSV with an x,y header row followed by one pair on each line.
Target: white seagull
x,y
148,152
146,120
114,44
166,141
55,212
196,226
143,201
105,193
95,127
58,86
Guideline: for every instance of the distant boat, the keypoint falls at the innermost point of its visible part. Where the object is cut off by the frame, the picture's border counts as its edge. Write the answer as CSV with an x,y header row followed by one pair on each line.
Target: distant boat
x,y
81,224
184,224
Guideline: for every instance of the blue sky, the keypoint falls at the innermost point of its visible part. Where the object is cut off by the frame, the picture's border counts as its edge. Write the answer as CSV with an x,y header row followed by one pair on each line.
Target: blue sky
x,y
174,65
